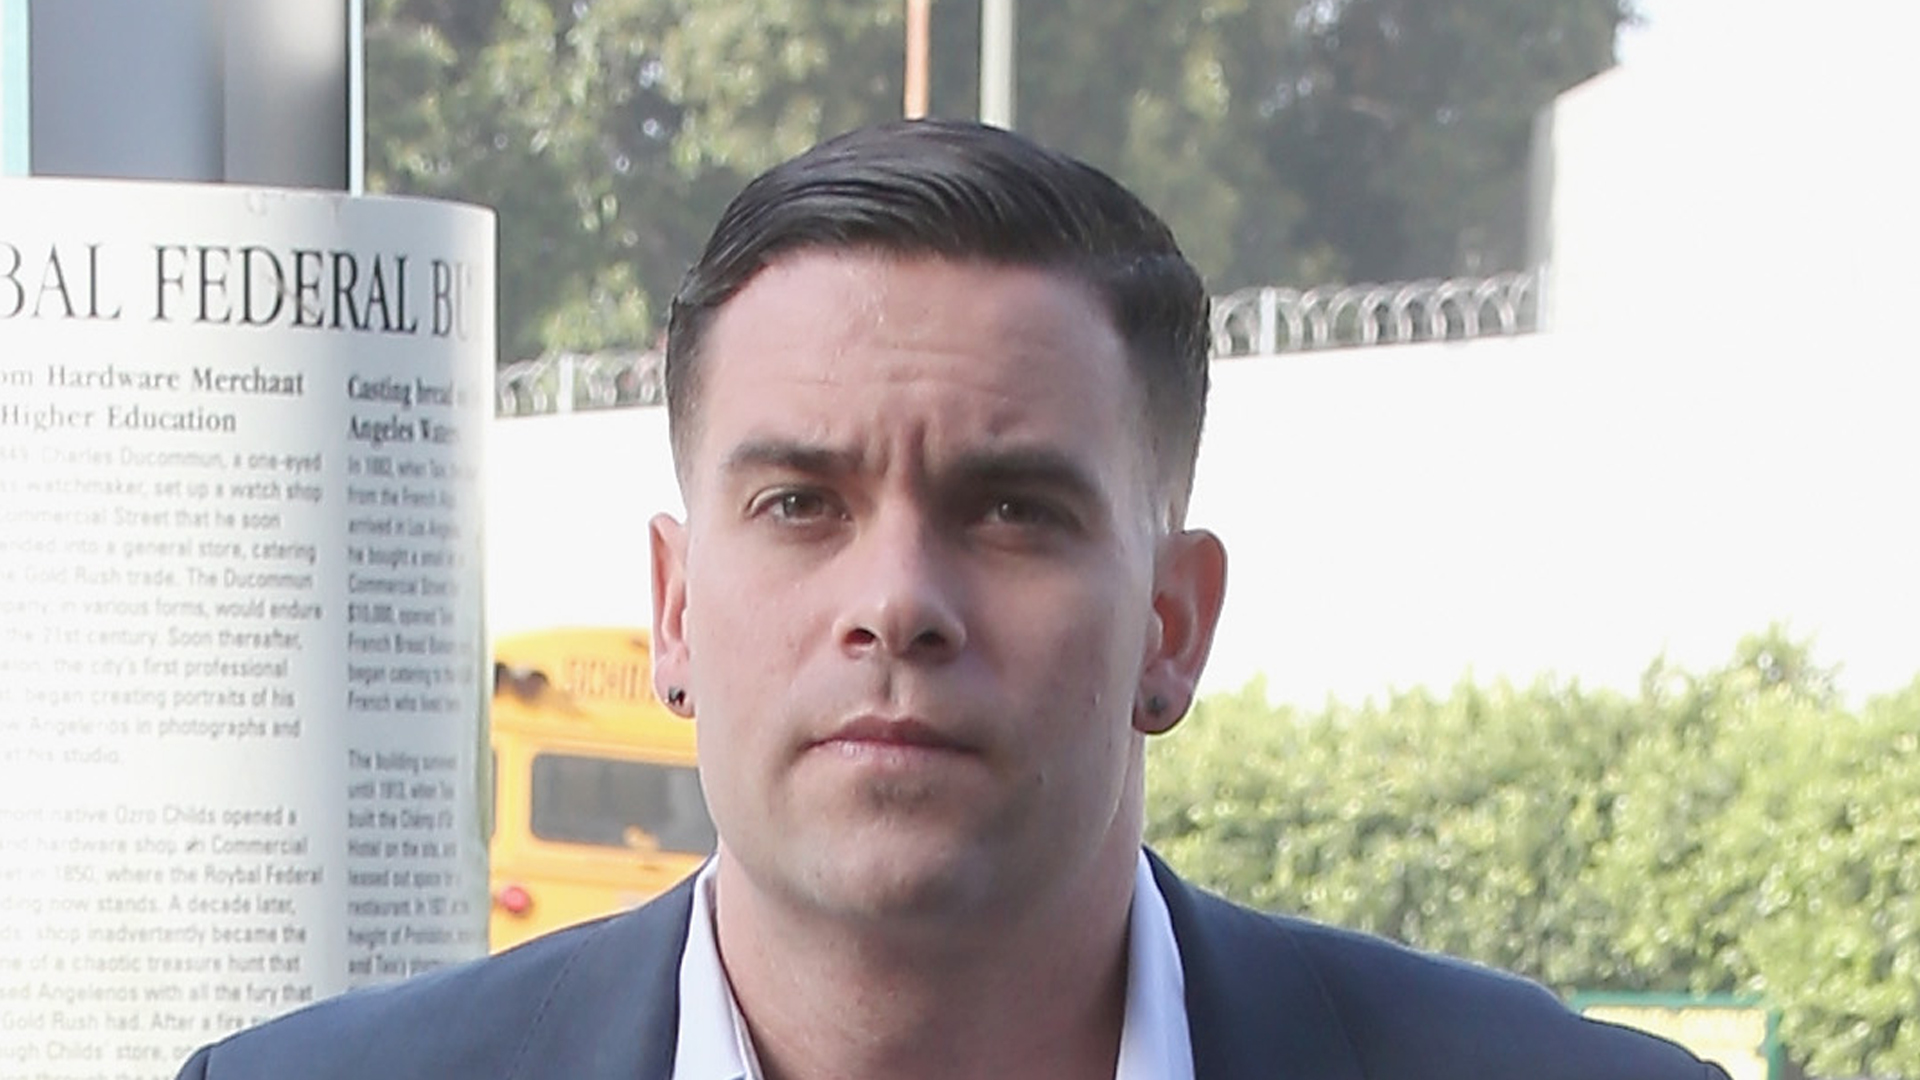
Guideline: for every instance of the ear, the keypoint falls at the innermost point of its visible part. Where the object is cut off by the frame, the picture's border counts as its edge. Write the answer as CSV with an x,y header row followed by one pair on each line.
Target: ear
x,y
1189,585
667,544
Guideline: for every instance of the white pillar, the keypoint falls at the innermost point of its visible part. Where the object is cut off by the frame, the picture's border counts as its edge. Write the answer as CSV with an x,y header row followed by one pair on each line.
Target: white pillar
x,y
243,670
997,39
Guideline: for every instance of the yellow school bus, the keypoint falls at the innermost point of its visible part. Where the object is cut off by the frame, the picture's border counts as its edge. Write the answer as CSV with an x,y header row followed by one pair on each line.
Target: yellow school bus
x,y
596,802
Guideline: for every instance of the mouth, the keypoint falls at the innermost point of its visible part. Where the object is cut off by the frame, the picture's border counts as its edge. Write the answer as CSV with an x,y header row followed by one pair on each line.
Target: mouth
x,y
891,735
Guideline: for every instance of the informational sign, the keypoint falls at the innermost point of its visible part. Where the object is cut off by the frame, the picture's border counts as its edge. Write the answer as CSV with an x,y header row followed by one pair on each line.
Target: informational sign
x,y
1737,1035
241,651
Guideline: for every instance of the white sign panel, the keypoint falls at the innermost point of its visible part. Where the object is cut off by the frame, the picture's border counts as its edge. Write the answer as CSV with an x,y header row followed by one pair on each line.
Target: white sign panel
x,y
241,655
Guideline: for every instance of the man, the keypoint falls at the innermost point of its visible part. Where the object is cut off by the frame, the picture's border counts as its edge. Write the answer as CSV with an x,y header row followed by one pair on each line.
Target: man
x,y
935,396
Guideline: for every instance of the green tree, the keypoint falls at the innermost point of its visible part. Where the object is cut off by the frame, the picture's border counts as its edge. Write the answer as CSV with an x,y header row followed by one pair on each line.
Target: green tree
x,y
1292,143
608,133
1694,830
1834,925
552,115
1405,126
1738,831
1460,824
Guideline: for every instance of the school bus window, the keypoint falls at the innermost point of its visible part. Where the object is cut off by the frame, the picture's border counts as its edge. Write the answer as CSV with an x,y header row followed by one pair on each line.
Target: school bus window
x,y
613,803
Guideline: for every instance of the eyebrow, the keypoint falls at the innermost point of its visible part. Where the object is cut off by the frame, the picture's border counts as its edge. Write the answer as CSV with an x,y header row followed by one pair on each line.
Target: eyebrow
x,y
1018,466
1026,467
789,456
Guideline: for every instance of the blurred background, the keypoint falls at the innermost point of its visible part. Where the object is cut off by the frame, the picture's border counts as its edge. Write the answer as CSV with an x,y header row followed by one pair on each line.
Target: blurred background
x,y
1563,439
1287,143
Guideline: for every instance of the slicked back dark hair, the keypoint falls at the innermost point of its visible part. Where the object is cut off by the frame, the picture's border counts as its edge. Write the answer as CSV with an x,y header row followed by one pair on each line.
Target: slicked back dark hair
x,y
968,192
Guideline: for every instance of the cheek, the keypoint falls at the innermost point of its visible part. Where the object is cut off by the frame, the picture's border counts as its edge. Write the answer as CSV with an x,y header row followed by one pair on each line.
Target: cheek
x,y
747,625
728,601
1083,743
1088,658
1114,620
726,785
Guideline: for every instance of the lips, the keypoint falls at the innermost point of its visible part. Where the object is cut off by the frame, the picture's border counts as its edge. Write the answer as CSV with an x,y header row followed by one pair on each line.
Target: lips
x,y
883,732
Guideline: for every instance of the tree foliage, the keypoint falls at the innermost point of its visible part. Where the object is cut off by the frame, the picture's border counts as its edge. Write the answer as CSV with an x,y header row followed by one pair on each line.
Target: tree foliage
x,y
1735,832
1288,143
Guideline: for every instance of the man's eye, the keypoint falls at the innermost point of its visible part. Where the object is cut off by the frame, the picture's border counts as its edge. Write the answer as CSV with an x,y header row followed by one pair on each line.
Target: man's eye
x,y
796,506
1025,513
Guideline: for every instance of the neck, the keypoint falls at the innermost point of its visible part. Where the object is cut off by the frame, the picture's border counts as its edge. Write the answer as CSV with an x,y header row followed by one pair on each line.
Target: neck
x,y
1040,995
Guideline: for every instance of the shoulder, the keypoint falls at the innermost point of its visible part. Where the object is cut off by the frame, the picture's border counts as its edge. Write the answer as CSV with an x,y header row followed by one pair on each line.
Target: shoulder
x,y
485,1018
1397,1012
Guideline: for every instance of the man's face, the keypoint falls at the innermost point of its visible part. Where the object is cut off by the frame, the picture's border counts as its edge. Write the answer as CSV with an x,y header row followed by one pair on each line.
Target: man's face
x,y
922,586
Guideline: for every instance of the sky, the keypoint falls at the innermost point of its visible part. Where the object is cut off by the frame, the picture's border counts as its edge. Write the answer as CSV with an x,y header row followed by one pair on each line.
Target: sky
x,y
1637,39
1704,33
1716,435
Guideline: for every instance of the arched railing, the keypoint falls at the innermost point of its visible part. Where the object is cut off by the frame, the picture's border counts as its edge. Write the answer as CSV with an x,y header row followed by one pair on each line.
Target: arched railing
x,y
1268,320
1251,322
571,382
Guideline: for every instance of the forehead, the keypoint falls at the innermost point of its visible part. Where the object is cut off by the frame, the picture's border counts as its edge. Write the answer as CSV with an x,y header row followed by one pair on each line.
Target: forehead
x,y
827,345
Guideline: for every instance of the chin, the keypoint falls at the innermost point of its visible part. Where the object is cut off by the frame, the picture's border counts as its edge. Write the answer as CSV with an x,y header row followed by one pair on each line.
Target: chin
x,y
913,882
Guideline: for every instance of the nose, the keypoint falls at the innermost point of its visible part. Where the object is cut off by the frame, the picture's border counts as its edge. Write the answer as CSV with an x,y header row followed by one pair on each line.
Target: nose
x,y
905,594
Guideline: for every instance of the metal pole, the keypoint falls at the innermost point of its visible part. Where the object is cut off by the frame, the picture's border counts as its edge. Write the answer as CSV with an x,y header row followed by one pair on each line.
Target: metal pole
x,y
356,97
215,91
996,62
919,35
13,88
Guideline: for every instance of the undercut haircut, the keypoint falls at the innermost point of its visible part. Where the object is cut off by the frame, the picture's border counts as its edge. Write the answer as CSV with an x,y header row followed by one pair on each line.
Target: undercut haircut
x,y
965,191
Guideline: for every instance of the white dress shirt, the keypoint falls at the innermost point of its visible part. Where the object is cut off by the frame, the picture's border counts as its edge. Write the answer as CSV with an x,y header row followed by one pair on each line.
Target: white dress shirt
x,y
1154,1044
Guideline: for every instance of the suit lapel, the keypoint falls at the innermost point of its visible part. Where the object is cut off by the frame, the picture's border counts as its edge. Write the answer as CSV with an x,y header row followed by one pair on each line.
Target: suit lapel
x,y
614,1011
1254,1008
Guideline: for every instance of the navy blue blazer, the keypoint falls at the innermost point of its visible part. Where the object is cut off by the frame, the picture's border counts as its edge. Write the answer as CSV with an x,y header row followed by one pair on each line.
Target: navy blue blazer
x,y
1268,997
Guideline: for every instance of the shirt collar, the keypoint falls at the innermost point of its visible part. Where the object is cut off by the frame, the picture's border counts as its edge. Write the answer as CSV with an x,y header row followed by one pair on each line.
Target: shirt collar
x,y
713,1043
1154,1041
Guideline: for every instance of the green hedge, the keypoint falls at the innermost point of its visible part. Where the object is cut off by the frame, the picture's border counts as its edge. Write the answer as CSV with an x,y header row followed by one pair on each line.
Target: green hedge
x,y
1737,832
